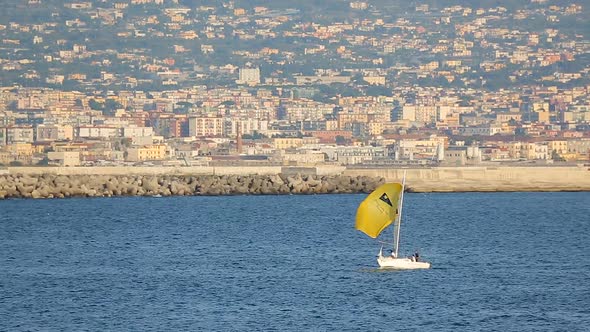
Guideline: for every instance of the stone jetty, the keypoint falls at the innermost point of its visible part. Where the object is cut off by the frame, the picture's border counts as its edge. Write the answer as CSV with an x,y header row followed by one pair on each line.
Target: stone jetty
x,y
61,186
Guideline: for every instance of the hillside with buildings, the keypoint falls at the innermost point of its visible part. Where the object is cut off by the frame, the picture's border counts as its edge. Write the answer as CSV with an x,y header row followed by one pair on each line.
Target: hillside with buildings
x,y
263,83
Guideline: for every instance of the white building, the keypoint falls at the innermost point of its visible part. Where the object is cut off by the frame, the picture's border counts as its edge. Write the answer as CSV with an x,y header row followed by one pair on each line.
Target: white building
x,y
483,130
347,155
54,132
206,126
97,132
16,134
306,157
249,76
247,126
137,131
65,158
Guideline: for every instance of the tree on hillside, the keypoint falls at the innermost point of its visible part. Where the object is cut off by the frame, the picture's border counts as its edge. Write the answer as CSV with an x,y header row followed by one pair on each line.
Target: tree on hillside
x,y
95,105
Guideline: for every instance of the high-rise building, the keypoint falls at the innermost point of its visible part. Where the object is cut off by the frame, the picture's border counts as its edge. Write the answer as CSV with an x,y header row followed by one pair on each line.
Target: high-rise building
x,y
206,126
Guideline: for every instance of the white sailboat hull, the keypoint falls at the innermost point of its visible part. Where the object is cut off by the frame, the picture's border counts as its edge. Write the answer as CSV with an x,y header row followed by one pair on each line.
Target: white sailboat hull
x,y
400,263
380,209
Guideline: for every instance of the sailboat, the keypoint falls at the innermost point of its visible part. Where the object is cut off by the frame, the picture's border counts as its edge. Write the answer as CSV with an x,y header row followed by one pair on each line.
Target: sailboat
x,y
379,210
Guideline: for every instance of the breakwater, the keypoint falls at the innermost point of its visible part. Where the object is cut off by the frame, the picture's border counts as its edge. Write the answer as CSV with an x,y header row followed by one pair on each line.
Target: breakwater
x,y
61,186
487,178
114,181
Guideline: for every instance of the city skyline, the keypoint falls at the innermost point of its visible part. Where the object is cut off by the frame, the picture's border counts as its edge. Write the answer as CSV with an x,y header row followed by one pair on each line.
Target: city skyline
x,y
173,82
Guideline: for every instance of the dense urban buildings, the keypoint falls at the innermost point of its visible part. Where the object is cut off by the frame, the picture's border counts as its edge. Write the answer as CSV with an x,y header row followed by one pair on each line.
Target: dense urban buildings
x,y
368,83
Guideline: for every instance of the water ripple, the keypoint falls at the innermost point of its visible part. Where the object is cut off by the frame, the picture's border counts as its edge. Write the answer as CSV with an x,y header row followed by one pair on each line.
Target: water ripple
x,y
501,262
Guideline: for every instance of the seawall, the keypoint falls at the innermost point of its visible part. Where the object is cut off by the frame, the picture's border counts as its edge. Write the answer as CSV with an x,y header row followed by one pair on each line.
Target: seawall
x,y
461,179
61,186
50,182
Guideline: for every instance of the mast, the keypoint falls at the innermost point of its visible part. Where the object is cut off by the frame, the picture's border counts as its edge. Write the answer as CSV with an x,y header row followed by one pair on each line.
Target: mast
x,y
399,217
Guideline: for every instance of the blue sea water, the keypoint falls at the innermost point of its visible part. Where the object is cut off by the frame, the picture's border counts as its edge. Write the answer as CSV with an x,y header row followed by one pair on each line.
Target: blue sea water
x,y
501,262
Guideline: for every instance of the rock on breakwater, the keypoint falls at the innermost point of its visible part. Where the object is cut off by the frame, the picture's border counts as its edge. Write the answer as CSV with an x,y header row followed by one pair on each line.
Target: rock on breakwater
x,y
61,186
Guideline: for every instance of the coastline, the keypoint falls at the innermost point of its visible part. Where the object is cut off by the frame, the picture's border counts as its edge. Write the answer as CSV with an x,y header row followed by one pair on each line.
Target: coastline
x,y
59,182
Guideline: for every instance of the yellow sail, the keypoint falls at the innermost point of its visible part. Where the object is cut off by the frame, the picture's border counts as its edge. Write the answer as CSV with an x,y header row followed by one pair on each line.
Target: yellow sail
x,y
379,209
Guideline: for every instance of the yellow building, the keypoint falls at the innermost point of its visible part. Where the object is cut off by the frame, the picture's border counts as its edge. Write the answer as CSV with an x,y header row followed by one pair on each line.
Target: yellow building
x,y
559,147
345,118
22,152
514,149
21,149
529,151
429,66
287,143
148,152
331,124
5,157
452,63
540,106
540,116
376,128
375,80
580,148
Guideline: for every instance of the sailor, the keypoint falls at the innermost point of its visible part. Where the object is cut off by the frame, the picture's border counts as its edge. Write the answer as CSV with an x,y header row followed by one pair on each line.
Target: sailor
x,y
416,256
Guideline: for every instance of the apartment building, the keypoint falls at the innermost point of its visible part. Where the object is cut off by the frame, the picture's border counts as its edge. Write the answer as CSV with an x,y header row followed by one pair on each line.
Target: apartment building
x,y
206,126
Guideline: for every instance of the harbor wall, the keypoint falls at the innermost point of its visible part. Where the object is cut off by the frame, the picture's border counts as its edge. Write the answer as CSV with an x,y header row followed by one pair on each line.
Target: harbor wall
x,y
83,185
459,179
438,179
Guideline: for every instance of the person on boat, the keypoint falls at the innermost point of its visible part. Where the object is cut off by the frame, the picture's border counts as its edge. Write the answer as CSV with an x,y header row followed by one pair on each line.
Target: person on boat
x,y
416,256
393,253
